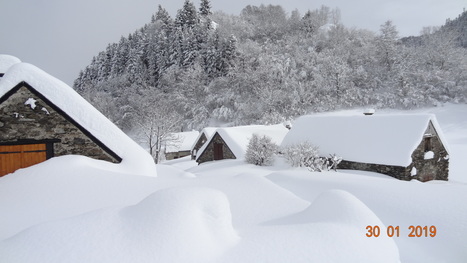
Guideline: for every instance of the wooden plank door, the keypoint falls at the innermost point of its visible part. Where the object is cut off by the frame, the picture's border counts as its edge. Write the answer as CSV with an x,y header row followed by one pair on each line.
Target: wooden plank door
x,y
10,159
14,157
218,151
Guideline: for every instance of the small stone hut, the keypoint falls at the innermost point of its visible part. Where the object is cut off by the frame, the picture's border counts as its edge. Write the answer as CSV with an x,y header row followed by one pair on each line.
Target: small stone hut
x,y
404,146
179,145
232,142
203,137
42,117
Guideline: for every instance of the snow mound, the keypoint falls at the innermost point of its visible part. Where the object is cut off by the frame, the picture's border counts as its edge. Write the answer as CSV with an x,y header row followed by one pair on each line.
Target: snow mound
x,y
171,225
331,229
66,186
339,206
335,206
173,171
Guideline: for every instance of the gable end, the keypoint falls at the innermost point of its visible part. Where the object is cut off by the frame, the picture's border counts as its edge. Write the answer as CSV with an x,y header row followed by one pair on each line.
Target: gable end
x,y
55,108
208,153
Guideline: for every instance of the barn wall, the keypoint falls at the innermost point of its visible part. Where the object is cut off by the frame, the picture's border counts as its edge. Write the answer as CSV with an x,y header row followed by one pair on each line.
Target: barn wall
x,y
176,155
436,168
208,154
20,122
198,145
398,172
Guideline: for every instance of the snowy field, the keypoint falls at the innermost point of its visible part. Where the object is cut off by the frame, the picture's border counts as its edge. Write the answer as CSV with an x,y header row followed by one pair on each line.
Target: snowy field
x,y
75,209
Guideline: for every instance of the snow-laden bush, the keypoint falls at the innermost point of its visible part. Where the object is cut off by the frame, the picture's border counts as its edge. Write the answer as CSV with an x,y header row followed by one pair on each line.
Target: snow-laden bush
x,y
333,161
305,154
260,150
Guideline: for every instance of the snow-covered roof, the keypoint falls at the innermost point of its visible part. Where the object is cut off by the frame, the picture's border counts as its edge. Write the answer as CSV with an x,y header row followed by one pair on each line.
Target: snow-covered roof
x,y
6,61
182,141
208,132
237,138
377,139
76,107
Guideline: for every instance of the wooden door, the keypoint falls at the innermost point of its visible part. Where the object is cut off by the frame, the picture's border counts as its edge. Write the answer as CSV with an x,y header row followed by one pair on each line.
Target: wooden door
x,y
218,151
14,157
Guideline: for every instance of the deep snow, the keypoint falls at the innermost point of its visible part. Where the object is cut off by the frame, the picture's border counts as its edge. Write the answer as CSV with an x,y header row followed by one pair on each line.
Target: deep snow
x,y
75,209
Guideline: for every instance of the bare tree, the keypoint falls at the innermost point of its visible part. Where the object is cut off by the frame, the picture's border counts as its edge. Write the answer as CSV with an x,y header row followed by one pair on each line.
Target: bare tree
x,y
157,120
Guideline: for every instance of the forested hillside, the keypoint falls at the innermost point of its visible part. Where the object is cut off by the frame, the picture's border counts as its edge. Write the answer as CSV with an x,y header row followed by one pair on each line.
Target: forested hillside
x,y
459,27
265,66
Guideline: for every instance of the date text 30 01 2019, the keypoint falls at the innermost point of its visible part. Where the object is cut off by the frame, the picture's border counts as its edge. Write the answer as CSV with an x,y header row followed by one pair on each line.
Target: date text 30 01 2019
x,y
394,231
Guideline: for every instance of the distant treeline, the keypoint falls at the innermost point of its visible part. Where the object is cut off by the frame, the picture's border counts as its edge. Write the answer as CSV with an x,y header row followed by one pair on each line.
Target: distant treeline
x,y
265,66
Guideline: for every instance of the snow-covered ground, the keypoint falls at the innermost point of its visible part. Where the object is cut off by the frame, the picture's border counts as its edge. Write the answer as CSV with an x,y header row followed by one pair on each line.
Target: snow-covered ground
x,y
75,209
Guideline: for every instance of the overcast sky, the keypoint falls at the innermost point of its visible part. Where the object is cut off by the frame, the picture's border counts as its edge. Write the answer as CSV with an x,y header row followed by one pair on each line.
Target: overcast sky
x,y
62,36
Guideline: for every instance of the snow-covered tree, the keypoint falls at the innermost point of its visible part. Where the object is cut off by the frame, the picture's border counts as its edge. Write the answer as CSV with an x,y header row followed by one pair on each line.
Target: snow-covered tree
x,y
187,17
205,8
157,119
260,150
386,44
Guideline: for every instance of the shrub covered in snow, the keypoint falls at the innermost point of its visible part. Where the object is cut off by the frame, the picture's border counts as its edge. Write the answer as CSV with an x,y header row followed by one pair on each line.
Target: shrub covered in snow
x,y
305,154
260,150
302,154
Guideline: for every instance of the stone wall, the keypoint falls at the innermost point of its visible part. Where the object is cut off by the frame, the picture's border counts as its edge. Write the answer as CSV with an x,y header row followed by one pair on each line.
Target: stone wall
x,y
198,145
39,121
176,155
208,154
399,172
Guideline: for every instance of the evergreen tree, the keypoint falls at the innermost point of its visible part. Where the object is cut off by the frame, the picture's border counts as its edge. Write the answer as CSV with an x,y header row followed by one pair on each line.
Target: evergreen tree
x,y
163,18
205,8
187,17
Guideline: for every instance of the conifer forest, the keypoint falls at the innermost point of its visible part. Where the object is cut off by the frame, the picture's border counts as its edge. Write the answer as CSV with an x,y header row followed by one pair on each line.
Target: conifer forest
x,y
265,66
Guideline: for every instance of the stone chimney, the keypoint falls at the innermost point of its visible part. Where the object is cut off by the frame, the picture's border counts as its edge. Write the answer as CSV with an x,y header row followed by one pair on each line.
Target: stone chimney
x,y
369,112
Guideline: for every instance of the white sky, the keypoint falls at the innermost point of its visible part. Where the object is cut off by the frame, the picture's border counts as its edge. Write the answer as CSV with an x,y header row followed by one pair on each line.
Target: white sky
x,y
62,36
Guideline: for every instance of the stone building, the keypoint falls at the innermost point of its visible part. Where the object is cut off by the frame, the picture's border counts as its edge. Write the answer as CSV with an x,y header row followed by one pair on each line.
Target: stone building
x,y
41,117
406,147
180,144
203,137
232,142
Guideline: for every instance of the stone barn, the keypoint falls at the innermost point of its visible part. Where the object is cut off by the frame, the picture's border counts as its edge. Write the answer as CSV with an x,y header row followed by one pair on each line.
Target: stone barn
x,y
179,145
406,147
203,137
232,142
42,117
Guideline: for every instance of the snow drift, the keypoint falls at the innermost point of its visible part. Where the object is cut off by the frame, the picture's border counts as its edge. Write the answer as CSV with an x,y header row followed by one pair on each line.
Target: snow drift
x,y
66,186
323,232
172,225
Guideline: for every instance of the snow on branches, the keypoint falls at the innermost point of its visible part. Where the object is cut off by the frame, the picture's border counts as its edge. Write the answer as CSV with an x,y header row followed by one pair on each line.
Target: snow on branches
x,y
260,150
305,154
